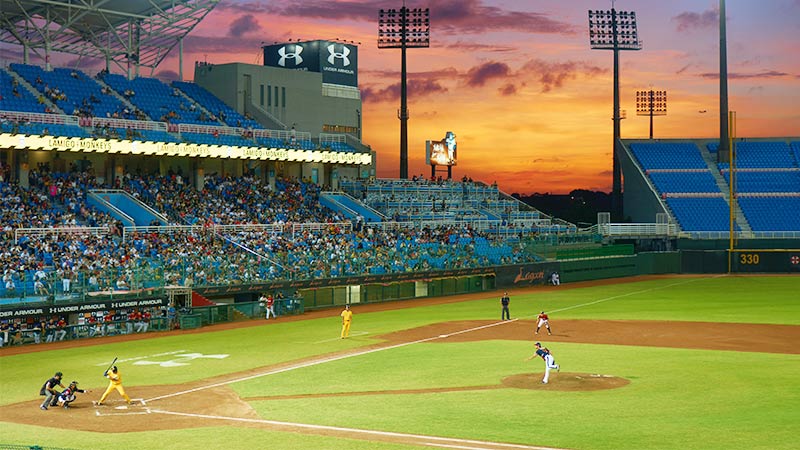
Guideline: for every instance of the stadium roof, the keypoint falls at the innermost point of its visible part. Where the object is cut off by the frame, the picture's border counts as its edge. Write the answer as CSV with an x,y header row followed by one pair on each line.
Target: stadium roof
x,y
102,28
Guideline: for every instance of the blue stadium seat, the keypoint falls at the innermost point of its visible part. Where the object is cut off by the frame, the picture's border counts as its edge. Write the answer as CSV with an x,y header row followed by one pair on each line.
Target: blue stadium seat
x,y
668,155
215,105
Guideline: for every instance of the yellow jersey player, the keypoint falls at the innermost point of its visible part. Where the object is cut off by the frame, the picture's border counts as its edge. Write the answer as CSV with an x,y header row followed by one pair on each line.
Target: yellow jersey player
x,y
114,382
347,318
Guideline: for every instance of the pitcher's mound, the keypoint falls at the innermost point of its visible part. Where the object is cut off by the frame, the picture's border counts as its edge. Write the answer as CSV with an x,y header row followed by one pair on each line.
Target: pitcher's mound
x,y
565,381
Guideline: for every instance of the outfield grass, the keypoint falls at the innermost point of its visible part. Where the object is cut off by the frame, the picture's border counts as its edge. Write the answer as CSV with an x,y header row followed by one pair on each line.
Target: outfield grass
x,y
677,398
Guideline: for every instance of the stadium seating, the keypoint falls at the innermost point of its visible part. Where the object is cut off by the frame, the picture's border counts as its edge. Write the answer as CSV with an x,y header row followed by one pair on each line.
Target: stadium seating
x,y
771,213
764,154
158,100
765,181
82,93
700,213
668,156
216,106
22,100
684,181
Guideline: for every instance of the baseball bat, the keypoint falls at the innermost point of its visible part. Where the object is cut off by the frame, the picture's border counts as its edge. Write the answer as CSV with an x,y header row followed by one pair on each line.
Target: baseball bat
x,y
110,365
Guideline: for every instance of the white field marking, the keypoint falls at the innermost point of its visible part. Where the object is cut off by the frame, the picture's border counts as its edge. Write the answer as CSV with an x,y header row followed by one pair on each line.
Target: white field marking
x,y
126,413
461,447
321,361
354,430
142,357
626,295
353,334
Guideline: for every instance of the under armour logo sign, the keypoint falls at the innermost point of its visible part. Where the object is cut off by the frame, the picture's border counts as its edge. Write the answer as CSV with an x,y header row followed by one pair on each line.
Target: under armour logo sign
x,y
333,55
295,56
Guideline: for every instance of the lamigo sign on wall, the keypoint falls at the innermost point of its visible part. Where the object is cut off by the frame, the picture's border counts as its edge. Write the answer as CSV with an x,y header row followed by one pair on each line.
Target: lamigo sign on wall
x,y
114,146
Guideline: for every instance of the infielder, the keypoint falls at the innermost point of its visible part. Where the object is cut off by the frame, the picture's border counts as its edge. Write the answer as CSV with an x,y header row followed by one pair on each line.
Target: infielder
x,y
115,382
549,362
68,396
347,318
543,320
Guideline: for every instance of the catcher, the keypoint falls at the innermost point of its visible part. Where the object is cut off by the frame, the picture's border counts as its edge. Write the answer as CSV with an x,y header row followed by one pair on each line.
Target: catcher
x,y
68,395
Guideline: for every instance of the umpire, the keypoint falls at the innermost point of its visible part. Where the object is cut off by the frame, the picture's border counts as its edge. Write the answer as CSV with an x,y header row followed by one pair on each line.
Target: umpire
x,y
504,301
50,392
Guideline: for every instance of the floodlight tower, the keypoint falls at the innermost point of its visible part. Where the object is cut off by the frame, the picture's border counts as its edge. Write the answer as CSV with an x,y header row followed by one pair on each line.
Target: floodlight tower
x,y
404,28
651,103
614,30
724,138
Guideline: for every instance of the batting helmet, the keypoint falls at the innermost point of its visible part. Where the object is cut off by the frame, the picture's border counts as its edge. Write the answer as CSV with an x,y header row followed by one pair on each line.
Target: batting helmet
x,y
114,369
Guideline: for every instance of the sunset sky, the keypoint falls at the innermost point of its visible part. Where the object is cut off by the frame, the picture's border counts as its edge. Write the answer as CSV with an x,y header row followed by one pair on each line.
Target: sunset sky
x,y
517,82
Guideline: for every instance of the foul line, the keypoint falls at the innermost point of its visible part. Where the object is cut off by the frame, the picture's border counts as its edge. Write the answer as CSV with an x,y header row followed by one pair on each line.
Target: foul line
x,y
356,431
322,361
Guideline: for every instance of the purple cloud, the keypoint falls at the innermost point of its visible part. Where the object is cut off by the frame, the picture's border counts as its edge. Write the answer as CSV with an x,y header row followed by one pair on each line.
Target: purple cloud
x,y
507,90
471,16
243,25
479,75
447,16
554,75
416,88
691,20
167,75
745,76
476,47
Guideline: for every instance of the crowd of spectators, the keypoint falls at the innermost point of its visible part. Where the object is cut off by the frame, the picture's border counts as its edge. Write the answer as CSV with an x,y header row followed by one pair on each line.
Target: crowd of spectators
x,y
226,200
64,263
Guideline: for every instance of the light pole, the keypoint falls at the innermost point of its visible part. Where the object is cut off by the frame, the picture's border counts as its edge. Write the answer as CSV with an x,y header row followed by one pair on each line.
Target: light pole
x,y
614,30
404,28
724,141
651,103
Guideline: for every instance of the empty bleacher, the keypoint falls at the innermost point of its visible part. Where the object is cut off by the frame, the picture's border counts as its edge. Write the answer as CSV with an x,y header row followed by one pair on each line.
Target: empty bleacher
x,y
767,184
660,155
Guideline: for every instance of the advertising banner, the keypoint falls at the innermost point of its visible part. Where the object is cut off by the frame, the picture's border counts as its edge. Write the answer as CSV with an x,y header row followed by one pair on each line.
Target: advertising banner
x,y
338,62
525,275
84,307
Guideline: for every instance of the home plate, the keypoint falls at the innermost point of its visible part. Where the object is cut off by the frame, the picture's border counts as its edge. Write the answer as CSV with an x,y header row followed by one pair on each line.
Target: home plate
x,y
121,407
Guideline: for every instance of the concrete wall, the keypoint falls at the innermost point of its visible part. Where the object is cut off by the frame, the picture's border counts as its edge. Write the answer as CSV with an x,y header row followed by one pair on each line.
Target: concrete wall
x,y
304,105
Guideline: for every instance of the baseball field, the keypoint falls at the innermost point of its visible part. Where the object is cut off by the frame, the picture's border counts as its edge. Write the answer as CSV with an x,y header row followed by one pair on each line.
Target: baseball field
x,y
709,362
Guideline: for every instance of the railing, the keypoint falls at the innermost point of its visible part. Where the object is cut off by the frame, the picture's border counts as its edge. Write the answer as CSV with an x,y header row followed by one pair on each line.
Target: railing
x,y
637,229
285,135
275,228
331,137
56,119
132,124
113,210
210,129
40,232
133,199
